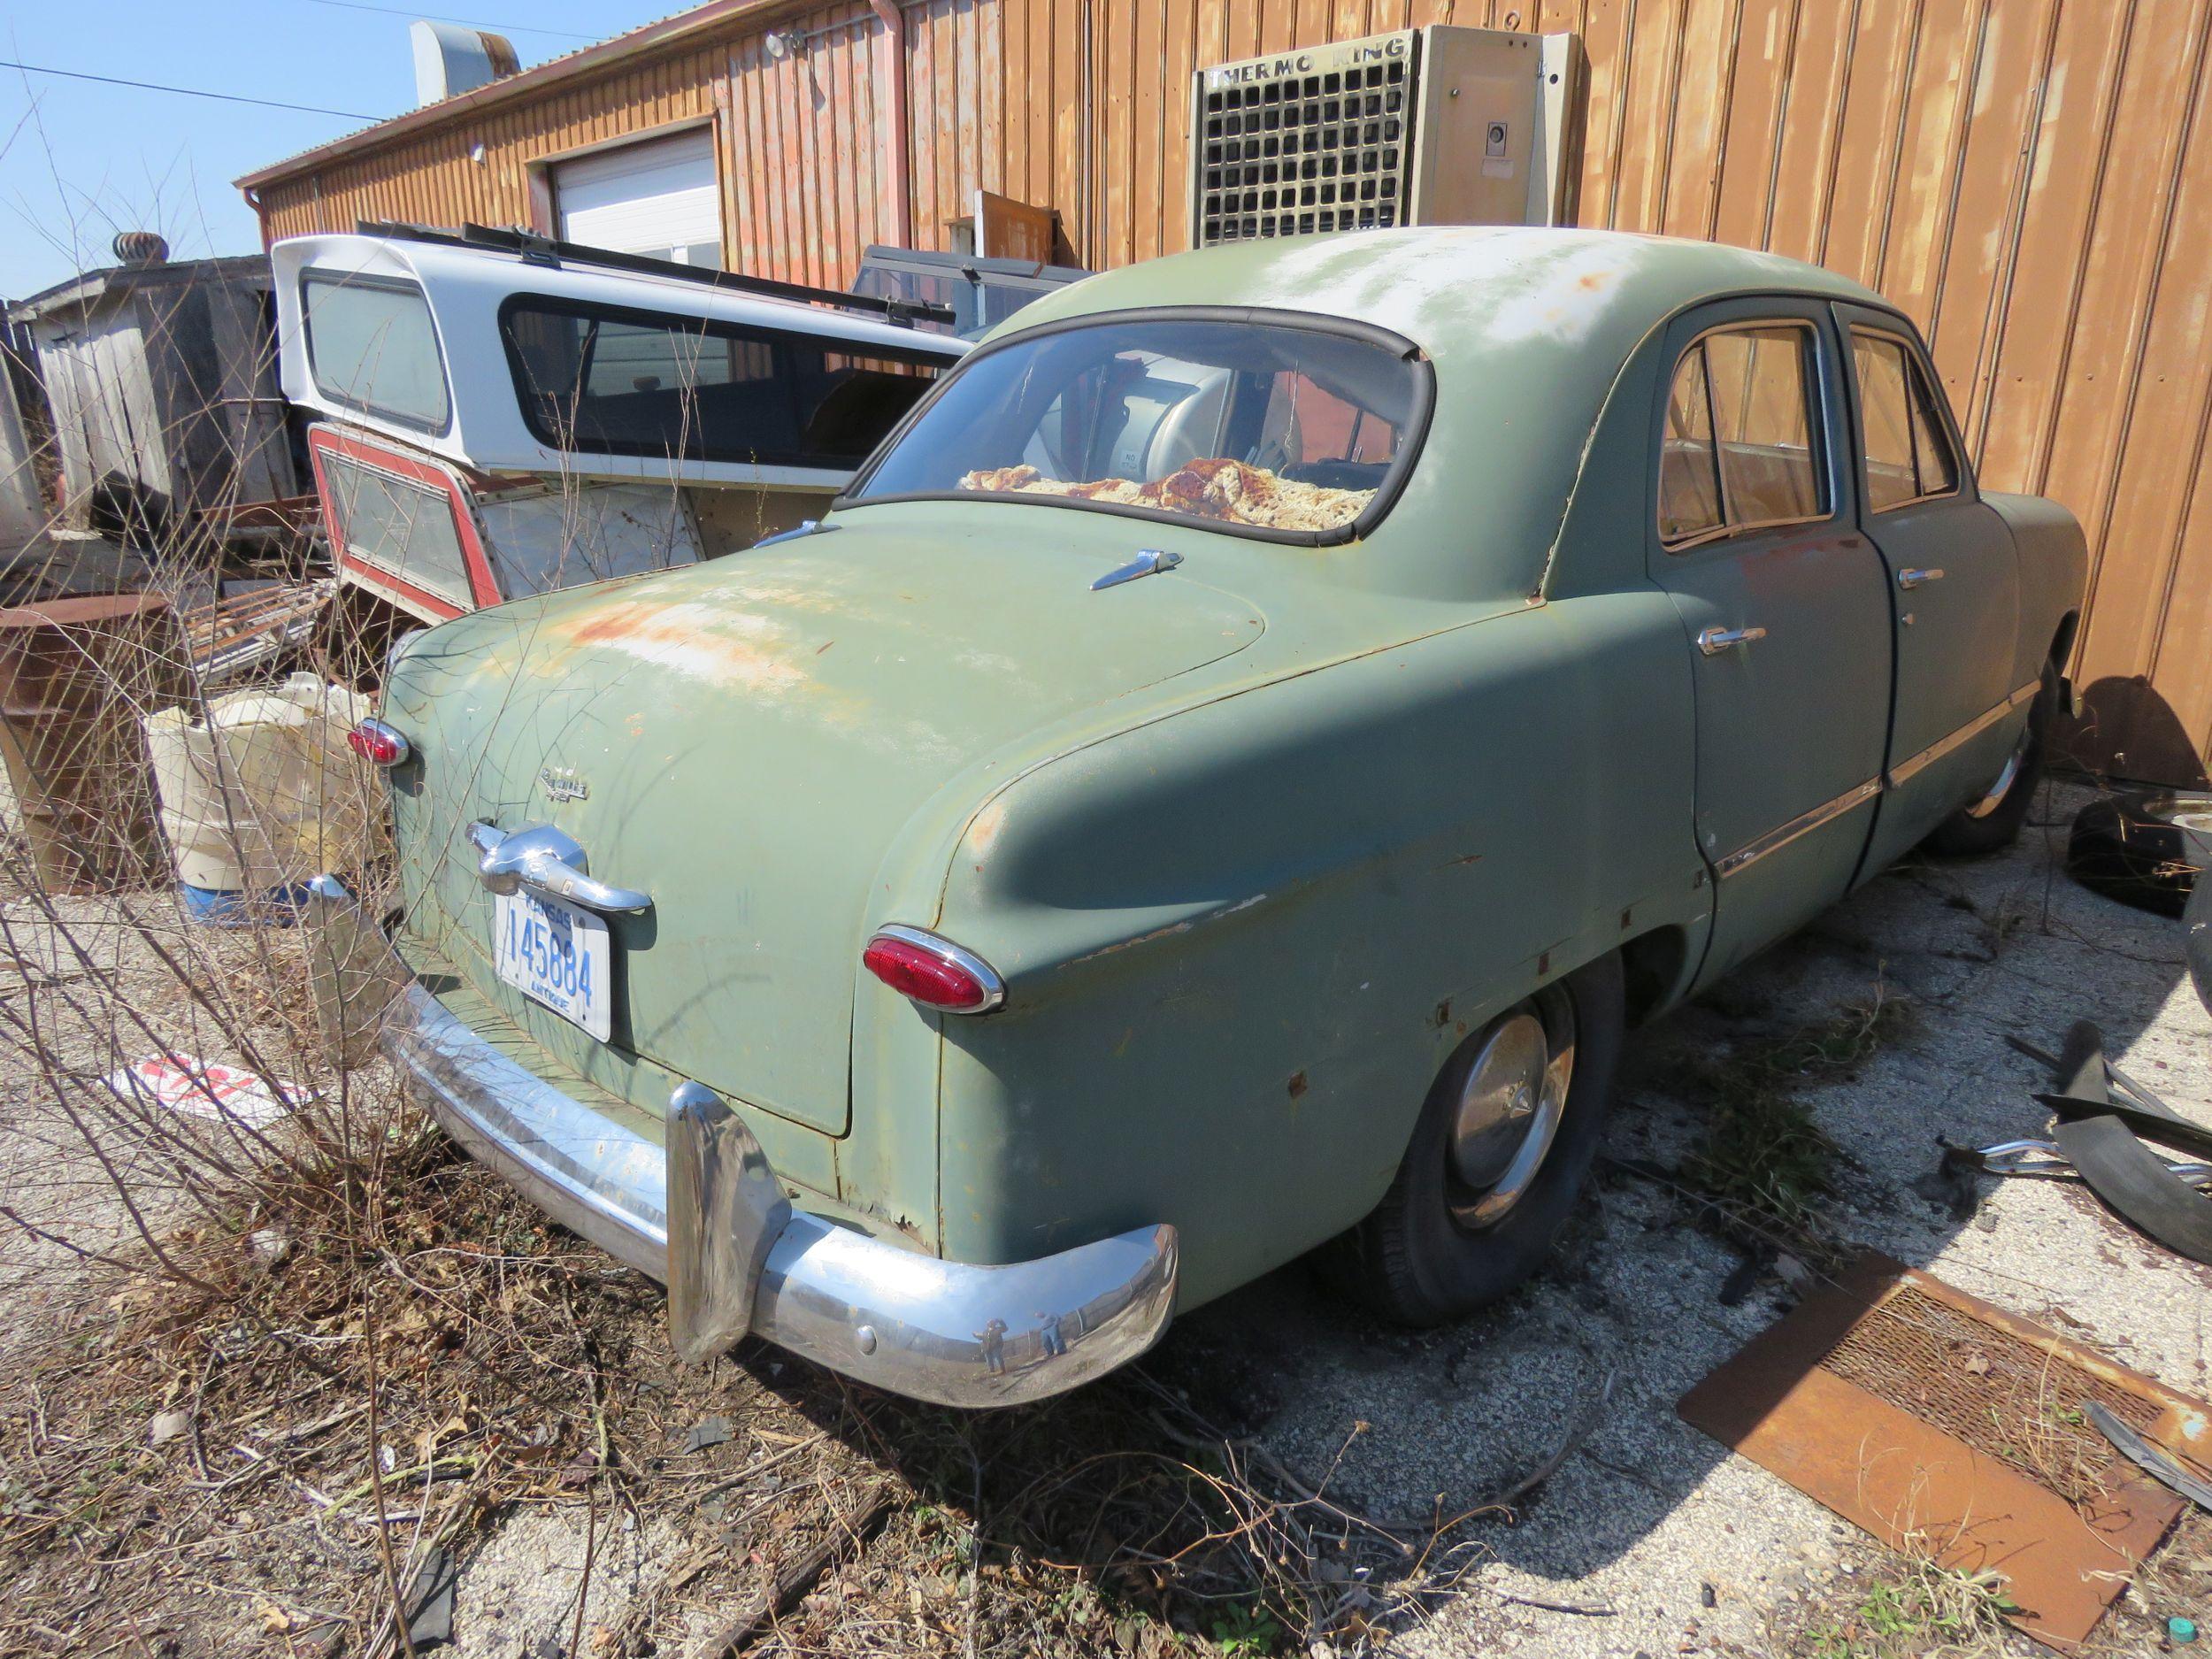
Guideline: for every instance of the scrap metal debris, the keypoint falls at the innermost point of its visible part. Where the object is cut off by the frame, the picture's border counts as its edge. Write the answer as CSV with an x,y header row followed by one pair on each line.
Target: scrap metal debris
x,y
2136,1184
429,1600
2043,1160
2149,1459
1954,1430
2100,1137
706,1433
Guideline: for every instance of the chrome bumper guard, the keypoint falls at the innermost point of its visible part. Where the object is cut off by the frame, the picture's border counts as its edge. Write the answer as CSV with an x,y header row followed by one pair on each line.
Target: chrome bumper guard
x,y
707,1217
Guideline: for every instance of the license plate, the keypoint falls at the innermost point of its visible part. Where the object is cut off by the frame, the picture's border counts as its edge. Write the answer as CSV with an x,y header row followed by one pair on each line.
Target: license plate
x,y
557,955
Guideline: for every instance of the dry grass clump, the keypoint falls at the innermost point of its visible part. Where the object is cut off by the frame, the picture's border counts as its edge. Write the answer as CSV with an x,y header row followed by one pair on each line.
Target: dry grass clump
x,y
1763,1166
263,1377
1917,1609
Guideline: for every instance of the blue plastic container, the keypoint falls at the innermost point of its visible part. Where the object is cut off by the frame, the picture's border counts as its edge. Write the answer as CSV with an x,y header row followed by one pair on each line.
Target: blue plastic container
x,y
213,907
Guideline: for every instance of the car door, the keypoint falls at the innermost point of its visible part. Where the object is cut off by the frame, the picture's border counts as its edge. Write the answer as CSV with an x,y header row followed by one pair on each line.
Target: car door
x,y
1954,581
1785,611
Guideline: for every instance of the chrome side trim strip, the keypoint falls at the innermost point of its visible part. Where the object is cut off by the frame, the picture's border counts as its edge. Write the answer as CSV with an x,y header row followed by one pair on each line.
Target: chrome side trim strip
x,y
1774,840
1966,734
1803,824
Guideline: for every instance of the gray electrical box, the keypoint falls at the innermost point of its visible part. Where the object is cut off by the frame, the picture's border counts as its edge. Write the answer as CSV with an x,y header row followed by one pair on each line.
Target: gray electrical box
x,y
1435,126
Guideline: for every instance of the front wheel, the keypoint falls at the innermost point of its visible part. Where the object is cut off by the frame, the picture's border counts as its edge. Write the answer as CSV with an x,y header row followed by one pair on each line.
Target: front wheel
x,y
1991,820
1500,1152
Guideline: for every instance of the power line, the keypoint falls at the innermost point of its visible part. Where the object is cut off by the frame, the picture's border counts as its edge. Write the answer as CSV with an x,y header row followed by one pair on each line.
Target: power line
x,y
189,92
473,23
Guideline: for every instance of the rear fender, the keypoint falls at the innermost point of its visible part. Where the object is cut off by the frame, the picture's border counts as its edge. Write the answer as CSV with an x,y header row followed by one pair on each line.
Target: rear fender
x,y
1239,942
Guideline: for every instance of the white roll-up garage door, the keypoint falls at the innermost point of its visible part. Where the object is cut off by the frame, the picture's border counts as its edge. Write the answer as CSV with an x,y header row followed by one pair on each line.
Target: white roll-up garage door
x,y
658,198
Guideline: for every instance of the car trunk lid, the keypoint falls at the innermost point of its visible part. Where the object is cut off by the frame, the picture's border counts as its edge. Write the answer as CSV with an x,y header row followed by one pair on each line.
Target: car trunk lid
x,y
743,740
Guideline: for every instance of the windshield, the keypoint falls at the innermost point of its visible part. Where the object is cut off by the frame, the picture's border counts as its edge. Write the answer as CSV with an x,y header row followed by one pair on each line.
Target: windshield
x,y
1282,429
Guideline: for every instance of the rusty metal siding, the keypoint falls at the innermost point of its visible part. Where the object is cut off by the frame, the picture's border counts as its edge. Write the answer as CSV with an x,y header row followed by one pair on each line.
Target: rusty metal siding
x,y
2031,179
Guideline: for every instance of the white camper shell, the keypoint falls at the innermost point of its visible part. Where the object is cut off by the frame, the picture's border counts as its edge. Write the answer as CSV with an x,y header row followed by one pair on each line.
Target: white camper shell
x,y
502,421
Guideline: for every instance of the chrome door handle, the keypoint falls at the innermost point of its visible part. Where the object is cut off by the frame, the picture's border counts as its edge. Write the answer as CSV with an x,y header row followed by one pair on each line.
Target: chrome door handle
x,y
1713,641
1915,579
548,863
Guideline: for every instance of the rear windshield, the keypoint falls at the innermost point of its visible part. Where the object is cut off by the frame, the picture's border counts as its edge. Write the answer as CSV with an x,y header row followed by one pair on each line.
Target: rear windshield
x,y
597,380
372,346
1276,429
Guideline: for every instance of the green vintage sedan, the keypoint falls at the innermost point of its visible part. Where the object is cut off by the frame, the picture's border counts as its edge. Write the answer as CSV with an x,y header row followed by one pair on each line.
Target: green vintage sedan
x,y
1218,785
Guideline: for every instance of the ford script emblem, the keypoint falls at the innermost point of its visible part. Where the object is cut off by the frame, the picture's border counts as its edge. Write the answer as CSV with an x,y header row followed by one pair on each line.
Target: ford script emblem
x,y
563,783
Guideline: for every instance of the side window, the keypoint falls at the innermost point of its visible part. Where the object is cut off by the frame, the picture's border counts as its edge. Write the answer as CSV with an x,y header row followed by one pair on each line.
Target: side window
x,y
1689,475
406,526
602,383
1908,454
1742,444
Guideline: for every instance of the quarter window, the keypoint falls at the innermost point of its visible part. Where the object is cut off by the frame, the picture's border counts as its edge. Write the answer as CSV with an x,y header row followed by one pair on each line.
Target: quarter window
x,y
1741,448
1908,455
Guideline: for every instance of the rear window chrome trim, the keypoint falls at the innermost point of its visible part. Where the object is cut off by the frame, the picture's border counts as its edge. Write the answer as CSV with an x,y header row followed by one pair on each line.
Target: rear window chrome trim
x,y
1386,494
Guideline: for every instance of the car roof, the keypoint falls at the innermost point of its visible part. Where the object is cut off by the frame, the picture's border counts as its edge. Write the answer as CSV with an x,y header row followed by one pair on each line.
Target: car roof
x,y
1529,330
1457,289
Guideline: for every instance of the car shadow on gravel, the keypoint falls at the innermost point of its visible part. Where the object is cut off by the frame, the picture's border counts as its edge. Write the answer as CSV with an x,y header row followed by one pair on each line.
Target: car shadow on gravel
x,y
1648,1530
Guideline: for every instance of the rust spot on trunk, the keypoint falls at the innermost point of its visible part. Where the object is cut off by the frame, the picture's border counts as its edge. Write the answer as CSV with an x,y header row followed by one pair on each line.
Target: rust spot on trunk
x,y
1298,1084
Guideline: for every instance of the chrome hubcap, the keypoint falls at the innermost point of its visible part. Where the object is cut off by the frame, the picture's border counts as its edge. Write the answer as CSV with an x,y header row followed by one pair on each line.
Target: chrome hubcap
x,y
2002,785
1509,1110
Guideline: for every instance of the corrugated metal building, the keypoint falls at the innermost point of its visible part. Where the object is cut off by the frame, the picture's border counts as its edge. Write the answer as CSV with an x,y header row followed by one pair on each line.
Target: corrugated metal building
x,y
2031,179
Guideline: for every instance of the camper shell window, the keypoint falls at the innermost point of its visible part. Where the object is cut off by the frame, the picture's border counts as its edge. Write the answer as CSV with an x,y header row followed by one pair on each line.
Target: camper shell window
x,y
599,379
372,345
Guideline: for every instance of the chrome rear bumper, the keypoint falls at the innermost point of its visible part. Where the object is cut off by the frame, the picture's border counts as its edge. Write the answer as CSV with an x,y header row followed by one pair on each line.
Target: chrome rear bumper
x,y
706,1216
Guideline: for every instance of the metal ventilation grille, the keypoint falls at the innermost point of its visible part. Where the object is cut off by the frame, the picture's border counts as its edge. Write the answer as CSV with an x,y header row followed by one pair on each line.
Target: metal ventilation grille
x,y
1325,151
1980,1384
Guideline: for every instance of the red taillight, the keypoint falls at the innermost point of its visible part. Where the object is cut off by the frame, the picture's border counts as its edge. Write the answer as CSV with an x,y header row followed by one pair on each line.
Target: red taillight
x,y
373,741
934,971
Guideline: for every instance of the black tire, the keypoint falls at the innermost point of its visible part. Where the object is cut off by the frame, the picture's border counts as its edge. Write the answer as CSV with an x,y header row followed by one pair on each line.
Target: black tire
x,y
2128,846
2196,924
1412,1260
1963,835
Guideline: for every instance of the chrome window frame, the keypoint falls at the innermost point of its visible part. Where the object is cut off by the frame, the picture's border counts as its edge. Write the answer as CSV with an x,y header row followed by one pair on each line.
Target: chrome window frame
x,y
1821,449
1920,377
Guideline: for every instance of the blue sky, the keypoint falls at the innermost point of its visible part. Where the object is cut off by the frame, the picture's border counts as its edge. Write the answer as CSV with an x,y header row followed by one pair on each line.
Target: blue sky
x,y
78,161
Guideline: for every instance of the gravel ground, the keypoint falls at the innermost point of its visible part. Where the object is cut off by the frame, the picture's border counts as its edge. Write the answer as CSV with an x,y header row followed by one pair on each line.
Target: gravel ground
x,y
1648,1512
1646,1517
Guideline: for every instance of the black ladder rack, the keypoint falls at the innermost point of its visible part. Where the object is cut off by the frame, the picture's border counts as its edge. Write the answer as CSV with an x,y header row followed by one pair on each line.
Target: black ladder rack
x,y
545,250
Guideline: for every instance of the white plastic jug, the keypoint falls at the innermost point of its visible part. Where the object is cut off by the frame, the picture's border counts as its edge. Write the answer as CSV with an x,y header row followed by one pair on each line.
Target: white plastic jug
x,y
263,793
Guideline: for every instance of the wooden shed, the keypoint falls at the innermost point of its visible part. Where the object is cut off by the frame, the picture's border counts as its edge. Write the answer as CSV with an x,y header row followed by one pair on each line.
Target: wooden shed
x,y
161,382
2031,179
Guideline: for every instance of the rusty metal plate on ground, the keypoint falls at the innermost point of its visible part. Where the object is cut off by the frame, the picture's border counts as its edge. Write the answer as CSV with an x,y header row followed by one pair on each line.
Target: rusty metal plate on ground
x,y
1949,1429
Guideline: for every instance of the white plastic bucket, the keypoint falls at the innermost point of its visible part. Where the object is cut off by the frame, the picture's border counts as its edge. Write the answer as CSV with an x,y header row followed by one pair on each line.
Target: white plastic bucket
x,y
262,793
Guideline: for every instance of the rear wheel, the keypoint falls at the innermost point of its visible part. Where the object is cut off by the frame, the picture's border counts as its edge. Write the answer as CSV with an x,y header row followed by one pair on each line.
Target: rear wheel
x,y
1502,1148
1991,822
